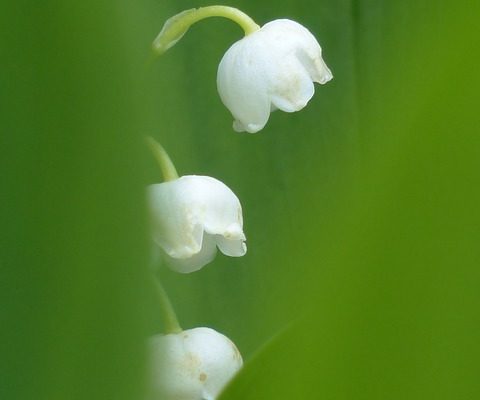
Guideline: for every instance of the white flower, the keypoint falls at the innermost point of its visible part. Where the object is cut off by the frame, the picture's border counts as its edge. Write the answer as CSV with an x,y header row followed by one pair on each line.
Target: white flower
x,y
194,364
271,68
191,216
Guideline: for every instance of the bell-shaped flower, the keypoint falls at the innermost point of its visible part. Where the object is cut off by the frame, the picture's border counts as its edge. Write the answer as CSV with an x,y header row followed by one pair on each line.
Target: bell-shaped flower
x,y
194,364
271,68
193,215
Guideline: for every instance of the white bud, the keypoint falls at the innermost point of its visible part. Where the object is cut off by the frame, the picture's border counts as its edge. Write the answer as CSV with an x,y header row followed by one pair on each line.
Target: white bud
x,y
271,68
193,215
195,364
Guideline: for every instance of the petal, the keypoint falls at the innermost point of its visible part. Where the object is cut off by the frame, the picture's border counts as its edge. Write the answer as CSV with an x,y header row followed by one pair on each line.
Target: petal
x,y
217,207
232,242
231,247
220,358
174,227
321,72
167,377
242,86
315,65
292,87
196,261
299,64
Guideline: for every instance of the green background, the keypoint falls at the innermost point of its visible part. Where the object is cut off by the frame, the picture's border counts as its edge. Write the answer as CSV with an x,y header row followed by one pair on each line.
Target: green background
x,y
361,211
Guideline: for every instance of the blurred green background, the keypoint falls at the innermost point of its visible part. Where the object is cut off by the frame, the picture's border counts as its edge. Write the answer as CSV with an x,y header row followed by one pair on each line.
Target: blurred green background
x,y
361,211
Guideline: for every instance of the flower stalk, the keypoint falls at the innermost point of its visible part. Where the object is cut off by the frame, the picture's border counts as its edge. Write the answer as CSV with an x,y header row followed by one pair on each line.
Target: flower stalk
x,y
170,320
166,165
176,26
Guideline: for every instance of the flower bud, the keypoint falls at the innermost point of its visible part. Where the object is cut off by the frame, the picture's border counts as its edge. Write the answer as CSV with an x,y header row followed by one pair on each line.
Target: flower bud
x,y
192,216
195,364
271,68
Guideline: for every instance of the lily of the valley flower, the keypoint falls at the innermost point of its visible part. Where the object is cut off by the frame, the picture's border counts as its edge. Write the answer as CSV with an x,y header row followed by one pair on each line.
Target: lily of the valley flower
x,y
192,216
271,68
194,364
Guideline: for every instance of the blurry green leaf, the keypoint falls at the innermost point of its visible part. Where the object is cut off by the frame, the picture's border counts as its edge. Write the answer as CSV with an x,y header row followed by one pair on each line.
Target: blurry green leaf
x,y
73,253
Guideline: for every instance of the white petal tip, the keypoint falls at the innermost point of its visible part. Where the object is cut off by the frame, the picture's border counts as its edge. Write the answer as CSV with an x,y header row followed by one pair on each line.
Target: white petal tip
x,y
250,128
325,78
238,126
324,74
244,248
241,251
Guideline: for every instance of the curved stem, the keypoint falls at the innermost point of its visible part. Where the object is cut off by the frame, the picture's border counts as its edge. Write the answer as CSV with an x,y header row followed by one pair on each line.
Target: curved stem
x,y
166,165
234,14
170,320
178,25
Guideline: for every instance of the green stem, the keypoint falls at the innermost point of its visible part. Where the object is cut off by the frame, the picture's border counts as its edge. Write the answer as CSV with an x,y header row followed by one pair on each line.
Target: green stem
x,y
178,25
170,320
166,165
